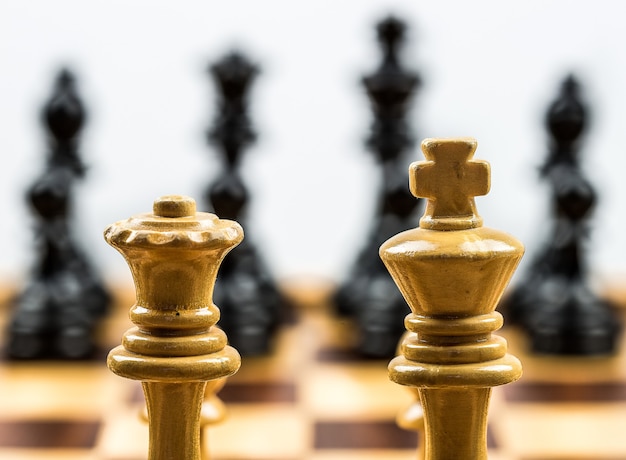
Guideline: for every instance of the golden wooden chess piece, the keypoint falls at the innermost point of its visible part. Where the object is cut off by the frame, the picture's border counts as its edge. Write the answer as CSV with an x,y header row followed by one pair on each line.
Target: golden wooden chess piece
x,y
174,350
411,418
452,271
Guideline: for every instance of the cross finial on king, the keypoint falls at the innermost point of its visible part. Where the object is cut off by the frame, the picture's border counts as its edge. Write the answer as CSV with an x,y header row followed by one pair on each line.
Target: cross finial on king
x,y
450,179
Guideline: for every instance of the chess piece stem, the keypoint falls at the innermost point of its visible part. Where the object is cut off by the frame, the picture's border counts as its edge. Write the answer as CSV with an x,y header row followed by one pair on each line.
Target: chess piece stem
x,y
174,255
452,272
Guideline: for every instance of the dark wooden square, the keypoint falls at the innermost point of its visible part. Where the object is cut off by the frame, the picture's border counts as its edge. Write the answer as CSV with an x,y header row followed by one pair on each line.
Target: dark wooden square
x,y
49,434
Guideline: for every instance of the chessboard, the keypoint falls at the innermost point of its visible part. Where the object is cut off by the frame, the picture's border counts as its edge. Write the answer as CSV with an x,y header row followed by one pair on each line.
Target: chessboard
x,y
312,398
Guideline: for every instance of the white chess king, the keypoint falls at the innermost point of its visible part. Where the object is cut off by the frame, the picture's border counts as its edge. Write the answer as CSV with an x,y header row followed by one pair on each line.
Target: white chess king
x,y
452,272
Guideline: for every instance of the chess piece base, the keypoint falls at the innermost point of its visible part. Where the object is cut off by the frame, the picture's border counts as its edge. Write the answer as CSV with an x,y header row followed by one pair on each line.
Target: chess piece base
x,y
580,342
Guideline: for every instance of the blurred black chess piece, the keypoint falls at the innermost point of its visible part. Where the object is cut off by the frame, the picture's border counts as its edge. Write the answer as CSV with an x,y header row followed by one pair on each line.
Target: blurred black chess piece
x,y
554,302
250,303
55,316
369,294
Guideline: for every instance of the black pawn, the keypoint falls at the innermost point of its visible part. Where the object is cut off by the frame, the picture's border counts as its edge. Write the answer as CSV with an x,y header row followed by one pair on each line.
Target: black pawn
x,y
55,316
369,294
554,303
250,303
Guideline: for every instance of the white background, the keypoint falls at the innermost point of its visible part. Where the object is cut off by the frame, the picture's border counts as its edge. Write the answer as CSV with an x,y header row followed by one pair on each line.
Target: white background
x,y
489,70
